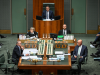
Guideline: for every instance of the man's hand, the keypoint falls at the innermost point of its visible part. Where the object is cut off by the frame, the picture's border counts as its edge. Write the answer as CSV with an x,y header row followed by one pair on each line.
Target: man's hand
x,y
22,47
98,35
81,56
27,55
75,56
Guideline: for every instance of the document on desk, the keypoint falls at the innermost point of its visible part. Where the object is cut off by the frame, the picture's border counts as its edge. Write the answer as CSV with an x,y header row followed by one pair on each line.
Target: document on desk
x,y
67,54
59,52
60,57
30,57
30,50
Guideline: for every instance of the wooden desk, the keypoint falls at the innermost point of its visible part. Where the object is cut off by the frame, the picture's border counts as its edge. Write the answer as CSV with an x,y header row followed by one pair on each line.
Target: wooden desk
x,y
46,68
47,26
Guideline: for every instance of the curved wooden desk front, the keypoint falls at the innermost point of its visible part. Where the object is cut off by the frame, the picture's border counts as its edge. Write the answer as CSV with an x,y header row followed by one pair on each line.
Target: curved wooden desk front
x,y
47,26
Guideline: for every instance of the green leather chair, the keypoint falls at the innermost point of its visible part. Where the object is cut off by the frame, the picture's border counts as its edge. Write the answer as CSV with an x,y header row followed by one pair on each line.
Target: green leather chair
x,y
5,66
75,67
9,58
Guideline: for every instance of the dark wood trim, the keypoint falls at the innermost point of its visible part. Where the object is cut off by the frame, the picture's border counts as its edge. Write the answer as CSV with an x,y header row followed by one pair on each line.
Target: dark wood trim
x,y
94,31
5,31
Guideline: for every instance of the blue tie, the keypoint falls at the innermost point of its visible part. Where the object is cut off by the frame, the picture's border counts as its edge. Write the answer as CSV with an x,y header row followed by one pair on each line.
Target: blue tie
x,y
47,15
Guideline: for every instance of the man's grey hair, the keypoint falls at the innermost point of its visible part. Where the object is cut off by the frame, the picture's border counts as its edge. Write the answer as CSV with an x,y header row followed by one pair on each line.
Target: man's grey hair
x,y
18,42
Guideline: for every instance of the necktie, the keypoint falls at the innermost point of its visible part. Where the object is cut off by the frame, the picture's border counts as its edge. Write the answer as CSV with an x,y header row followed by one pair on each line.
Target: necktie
x,y
79,49
20,50
47,15
64,32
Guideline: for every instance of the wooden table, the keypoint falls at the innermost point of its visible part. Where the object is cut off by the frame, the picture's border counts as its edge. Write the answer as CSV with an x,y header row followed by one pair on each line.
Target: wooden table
x,y
47,69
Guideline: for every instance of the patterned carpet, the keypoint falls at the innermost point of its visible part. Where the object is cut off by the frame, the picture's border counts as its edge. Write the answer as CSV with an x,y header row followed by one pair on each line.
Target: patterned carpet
x,y
92,67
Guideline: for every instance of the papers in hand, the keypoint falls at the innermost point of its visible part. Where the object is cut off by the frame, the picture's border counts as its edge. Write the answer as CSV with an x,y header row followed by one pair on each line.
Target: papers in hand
x,y
59,52
92,46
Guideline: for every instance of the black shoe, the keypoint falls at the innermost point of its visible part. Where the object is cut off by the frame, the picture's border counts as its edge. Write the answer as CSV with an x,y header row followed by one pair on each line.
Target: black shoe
x,y
1,44
94,55
91,42
3,36
96,45
91,54
98,49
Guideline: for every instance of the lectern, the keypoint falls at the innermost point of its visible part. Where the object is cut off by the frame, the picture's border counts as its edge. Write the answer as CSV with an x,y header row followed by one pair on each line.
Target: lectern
x,y
46,27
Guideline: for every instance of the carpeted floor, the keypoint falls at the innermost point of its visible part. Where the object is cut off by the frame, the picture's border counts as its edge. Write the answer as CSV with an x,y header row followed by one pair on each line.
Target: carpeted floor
x,y
92,67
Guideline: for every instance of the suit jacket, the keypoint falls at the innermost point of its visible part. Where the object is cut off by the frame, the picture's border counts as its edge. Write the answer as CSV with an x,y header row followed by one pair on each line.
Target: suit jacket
x,y
16,53
29,33
84,51
51,15
61,32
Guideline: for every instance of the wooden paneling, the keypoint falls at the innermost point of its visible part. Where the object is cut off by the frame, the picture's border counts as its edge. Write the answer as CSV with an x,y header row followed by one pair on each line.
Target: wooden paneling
x,y
5,31
92,31
38,7
42,29
54,27
47,26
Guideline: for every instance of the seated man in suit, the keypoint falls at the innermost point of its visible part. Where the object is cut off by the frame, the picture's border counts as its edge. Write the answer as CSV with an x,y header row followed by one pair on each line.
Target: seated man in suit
x,y
32,32
18,52
64,31
81,51
97,39
47,14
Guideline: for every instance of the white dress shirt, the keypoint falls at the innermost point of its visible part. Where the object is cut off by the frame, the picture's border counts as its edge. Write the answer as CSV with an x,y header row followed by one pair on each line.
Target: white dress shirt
x,y
32,33
65,32
79,49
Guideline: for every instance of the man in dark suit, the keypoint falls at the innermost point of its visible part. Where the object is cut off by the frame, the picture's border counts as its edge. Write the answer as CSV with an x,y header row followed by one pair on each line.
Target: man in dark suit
x,y
81,51
64,31
17,52
47,14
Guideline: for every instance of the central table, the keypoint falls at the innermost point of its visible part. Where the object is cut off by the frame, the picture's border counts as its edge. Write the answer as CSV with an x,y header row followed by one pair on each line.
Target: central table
x,y
48,67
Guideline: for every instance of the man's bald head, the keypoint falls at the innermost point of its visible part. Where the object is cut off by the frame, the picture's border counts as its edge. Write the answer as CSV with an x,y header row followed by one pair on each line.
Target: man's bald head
x,y
64,26
79,42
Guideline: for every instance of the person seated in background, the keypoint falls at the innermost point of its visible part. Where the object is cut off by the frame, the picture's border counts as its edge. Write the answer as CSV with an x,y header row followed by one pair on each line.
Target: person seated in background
x,y
17,53
32,32
47,14
97,54
64,31
2,37
97,39
81,51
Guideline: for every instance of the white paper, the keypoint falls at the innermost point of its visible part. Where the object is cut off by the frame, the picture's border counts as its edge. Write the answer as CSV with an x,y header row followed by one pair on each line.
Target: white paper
x,y
30,51
59,52
60,56
31,57
67,54
52,58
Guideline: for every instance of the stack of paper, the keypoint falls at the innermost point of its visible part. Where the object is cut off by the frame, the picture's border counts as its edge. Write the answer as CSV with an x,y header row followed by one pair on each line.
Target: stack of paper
x,y
30,51
59,52
61,57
